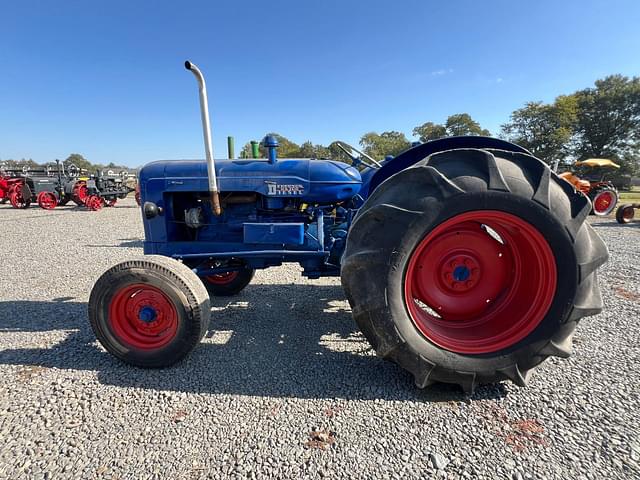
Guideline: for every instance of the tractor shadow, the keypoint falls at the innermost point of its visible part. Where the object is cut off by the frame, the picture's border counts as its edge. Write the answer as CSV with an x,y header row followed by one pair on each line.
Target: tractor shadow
x,y
123,243
270,341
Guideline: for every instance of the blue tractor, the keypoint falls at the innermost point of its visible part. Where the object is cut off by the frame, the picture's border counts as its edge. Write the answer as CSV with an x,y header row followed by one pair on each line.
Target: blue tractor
x,y
465,260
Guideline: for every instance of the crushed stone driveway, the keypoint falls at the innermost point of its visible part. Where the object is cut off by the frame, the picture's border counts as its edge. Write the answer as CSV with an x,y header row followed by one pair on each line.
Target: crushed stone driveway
x,y
284,385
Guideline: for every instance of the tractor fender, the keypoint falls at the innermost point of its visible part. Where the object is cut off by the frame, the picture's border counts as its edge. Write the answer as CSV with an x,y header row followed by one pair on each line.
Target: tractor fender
x,y
420,152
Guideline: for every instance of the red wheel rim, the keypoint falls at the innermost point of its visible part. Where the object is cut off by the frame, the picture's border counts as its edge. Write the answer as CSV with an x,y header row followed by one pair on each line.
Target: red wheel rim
x,y
111,202
222,278
603,202
47,200
16,198
80,192
143,317
480,282
94,202
628,213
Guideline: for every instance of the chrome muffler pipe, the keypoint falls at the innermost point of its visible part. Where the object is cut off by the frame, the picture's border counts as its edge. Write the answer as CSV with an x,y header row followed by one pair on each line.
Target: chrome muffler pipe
x,y
206,131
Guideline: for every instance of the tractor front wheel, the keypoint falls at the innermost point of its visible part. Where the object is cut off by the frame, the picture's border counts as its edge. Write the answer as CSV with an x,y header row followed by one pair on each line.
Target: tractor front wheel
x,y
473,266
94,202
47,200
149,312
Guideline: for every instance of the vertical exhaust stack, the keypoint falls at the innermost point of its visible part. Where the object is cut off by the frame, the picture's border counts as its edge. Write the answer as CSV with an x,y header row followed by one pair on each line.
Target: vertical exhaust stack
x,y
206,131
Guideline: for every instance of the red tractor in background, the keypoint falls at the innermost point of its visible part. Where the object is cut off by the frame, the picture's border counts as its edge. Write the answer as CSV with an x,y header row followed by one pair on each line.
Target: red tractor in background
x,y
24,186
57,185
7,187
603,194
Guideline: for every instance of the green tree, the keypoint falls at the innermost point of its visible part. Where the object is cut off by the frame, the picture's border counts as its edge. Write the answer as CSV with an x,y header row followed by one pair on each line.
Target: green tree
x,y
79,161
306,150
544,129
321,152
287,148
608,119
19,164
385,143
335,153
459,124
430,131
462,124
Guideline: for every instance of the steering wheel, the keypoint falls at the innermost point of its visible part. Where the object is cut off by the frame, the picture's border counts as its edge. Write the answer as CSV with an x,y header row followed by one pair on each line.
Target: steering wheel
x,y
349,151
73,170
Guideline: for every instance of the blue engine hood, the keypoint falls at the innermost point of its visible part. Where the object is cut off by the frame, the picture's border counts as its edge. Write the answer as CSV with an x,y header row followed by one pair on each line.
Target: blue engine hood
x,y
315,181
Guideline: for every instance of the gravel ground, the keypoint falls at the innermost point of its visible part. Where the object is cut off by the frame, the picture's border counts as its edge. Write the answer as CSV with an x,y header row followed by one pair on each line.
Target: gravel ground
x,y
284,385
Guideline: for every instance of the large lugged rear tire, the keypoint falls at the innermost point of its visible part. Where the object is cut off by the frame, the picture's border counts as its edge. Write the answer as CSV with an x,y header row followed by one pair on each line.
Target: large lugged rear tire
x,y
149,312
472,266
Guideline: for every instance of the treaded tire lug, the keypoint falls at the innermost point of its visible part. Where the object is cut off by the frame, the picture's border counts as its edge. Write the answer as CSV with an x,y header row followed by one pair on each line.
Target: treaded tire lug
x,y
514,374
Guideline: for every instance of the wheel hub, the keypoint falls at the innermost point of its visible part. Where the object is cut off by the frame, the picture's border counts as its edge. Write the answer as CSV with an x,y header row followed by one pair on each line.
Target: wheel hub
x,y
480,282
450,273
460,272
628,213
143,316
603,202
147,314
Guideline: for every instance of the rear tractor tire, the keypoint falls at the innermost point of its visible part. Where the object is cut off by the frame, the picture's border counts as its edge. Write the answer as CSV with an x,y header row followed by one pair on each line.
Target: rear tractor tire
x,y
79,193
149,312
472,267
20,196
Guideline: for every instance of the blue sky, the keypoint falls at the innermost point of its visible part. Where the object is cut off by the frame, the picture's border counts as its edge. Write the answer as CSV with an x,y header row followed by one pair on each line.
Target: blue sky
x,y
106,78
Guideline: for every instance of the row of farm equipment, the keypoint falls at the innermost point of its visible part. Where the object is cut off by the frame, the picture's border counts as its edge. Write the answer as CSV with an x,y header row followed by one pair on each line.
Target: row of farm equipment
x,y
56,185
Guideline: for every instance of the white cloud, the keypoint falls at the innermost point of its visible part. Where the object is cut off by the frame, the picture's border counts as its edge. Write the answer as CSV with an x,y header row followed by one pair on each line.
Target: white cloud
x,y
442,71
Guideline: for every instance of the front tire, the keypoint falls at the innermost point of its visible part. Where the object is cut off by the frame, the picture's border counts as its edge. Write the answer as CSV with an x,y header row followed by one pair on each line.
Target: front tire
x,y
472,266
149,312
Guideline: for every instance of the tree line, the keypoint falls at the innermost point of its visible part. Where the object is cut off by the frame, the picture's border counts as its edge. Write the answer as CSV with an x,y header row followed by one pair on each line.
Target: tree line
x,y
602,121
73,159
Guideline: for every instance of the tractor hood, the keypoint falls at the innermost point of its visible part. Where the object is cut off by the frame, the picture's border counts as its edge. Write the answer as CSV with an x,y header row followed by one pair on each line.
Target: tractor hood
x,y
314,181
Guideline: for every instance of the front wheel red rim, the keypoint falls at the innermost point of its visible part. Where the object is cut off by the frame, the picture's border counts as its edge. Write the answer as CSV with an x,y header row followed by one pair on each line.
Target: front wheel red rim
x,y
47,200
480,282
143,317
94,202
